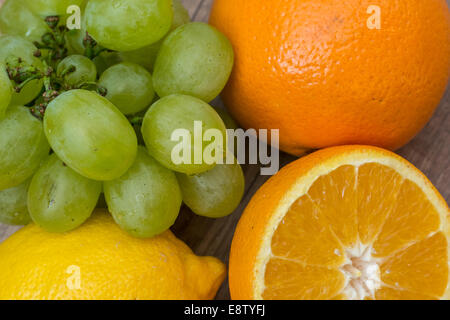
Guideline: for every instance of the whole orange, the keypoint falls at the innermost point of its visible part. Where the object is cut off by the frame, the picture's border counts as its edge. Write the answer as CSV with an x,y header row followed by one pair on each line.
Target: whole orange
x,y
332,72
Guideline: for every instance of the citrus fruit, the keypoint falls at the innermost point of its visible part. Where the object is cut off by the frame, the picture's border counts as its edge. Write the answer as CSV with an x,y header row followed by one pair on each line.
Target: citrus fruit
x,y
348,222
324,74
100,261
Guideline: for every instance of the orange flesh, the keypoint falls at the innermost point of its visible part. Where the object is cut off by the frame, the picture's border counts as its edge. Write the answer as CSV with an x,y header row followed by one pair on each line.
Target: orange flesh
x,y
371,206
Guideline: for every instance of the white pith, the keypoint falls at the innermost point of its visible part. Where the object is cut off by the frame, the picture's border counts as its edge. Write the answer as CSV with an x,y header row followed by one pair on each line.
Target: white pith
x,y
362,273
360,265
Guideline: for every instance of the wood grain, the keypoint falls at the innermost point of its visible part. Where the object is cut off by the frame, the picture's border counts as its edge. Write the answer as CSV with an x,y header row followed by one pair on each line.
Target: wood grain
x,y
429,151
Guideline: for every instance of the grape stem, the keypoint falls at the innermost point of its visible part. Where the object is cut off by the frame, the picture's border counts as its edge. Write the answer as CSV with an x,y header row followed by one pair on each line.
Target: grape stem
x,y
54,41
51,50
21,73
68,70
136,120
92,48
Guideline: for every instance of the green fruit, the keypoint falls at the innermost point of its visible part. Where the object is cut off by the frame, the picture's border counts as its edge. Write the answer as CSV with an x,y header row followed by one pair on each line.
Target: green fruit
x,y
195,59
176,113
6,91
90,135
18,20
23,146
105,60
180,15
129,87
84,70
16,47
227,119
46,8
214,193
13,205
146,200
128,25
59,199
146,56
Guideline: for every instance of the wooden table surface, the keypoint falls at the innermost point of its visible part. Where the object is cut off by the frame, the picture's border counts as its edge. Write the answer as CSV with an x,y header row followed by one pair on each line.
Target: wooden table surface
x,y
429,151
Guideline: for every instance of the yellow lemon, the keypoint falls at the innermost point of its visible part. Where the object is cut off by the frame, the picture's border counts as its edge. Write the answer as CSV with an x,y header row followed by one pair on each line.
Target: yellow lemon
x,y
100,261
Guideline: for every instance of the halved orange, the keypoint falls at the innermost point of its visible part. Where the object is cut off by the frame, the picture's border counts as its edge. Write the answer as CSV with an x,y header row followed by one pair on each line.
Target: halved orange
x,y
351,222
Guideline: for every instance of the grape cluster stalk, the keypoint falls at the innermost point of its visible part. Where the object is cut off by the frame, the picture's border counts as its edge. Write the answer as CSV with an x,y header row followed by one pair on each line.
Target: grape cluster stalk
x,y
54,45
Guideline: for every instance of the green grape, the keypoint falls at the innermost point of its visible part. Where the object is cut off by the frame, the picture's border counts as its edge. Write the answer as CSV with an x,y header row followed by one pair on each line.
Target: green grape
x,y
6,91
16,19
59,199
146,200
90,134
105,60
180,15
46,8
28,93
84,70
74,41
22,146
17,47
13,205
176,112
128,25
227,119
129,87
195,59
75,37
146,56
215,193
229,124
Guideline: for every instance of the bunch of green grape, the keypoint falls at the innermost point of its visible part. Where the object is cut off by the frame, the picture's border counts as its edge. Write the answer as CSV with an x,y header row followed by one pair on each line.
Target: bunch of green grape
x,y
87,115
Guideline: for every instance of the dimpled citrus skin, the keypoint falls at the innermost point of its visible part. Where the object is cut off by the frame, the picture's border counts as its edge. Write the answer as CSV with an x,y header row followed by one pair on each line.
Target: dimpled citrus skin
x,y
313,69
35,264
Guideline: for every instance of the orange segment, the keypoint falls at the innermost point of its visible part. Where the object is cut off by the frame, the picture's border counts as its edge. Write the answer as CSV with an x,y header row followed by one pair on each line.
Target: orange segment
x,y
413,218
378,187
351,222
335,196
421,267
293,280
298,224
